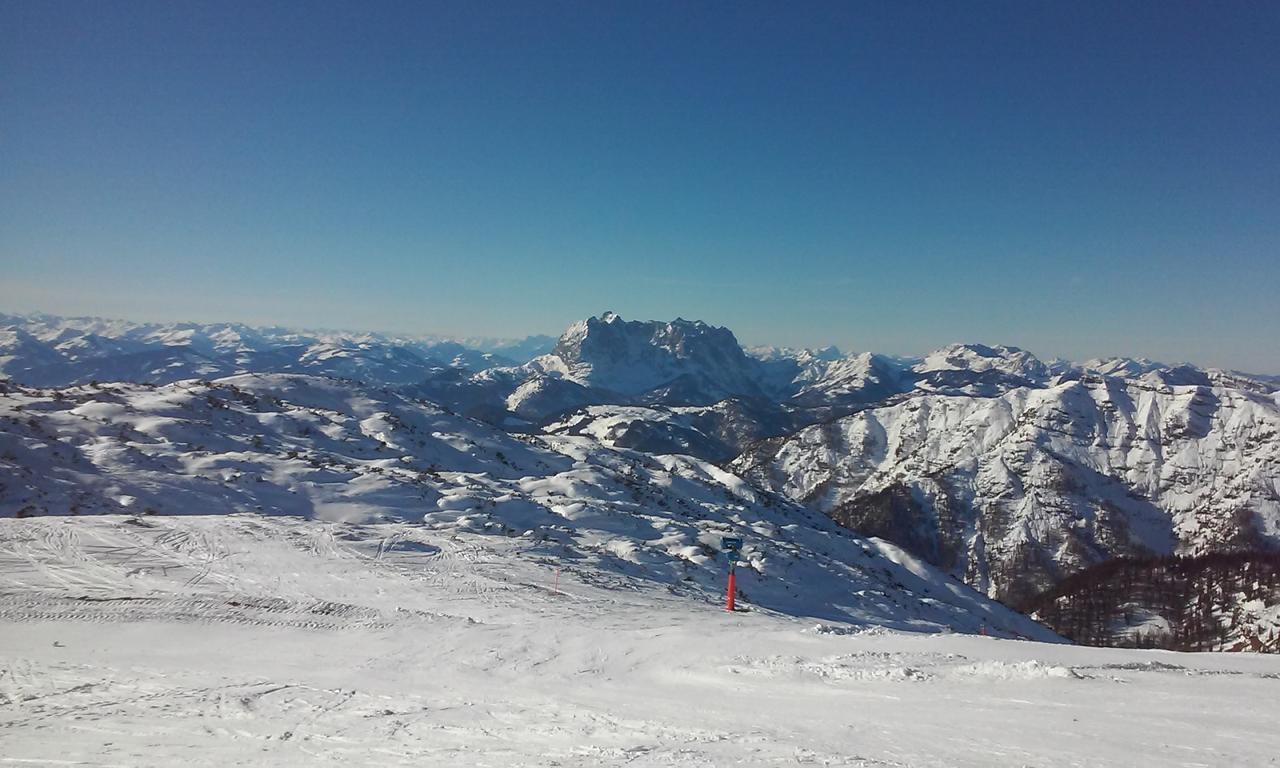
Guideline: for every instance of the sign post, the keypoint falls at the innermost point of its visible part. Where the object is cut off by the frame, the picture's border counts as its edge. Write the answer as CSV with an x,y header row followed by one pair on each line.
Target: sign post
x,y
731,546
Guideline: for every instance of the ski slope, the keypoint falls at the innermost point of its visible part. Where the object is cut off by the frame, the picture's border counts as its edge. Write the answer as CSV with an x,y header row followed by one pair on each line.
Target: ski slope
x,y
257,640
333,450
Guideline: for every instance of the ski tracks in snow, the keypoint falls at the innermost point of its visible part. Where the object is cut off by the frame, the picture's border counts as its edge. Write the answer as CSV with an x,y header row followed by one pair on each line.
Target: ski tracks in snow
x,y
269,565
209,641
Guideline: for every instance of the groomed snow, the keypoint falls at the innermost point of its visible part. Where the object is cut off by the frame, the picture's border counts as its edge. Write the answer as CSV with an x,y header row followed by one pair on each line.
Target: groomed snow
x,y
252,640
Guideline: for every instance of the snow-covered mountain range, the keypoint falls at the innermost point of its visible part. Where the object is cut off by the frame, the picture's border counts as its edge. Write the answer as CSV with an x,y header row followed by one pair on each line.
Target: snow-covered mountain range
x,y
42,350
1016,491
1005,471
284,444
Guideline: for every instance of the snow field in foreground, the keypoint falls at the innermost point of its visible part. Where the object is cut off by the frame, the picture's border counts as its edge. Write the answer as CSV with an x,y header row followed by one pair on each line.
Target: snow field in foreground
x,y
244,640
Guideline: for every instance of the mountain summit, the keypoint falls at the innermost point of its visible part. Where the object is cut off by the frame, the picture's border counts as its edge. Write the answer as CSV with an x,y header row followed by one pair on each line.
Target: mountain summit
x,y
679,362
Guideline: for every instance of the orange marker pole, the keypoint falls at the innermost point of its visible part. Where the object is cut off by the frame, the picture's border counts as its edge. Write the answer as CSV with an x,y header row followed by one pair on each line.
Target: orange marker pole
x,y
733,577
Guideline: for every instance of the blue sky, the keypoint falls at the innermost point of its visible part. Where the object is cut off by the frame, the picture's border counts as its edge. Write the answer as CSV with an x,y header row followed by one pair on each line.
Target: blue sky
x,y
1078,179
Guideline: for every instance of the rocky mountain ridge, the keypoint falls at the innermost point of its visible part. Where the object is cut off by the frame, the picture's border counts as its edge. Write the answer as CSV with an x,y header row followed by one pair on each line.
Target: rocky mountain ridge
x,y
1013,493
1006,471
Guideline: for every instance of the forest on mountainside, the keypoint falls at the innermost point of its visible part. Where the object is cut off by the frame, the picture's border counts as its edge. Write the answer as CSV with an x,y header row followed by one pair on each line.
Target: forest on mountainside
x,y
1228,601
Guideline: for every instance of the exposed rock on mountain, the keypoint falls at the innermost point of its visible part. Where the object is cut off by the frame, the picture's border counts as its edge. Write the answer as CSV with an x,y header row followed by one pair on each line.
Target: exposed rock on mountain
x,y
675,363
1016,492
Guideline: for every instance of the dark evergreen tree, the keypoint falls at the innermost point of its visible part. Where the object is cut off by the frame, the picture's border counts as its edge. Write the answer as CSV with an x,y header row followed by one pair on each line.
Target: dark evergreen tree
x,y
1200,598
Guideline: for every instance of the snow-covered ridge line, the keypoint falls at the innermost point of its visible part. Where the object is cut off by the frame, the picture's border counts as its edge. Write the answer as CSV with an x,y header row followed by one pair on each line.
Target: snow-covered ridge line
x,y
704,363
1014,492
44,350
46,326
336,450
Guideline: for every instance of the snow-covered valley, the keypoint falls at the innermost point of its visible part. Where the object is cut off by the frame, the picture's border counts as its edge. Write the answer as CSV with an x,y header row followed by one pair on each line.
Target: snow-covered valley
x,y
252,640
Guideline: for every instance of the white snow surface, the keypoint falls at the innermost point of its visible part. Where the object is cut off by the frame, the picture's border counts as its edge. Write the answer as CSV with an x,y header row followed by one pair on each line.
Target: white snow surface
x,y
335,450
282,641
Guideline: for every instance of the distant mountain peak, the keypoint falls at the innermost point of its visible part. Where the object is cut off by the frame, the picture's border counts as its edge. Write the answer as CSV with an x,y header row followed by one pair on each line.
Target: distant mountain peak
x,y
633,357
973,357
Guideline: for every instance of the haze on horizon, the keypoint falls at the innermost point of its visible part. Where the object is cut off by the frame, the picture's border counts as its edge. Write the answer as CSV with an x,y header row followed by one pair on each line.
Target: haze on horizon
x,y
1081,181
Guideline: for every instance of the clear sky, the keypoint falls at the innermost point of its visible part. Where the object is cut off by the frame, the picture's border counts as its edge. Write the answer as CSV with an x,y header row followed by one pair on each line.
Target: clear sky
x,y
1078,179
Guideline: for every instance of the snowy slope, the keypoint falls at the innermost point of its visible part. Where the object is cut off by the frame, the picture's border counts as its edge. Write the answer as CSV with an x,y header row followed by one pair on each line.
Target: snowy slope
x,y
715,432
334,450
281,641
1015,492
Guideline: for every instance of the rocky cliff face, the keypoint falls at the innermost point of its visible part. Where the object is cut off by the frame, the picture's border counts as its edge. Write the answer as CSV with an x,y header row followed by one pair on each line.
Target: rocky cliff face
x,y
675,363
